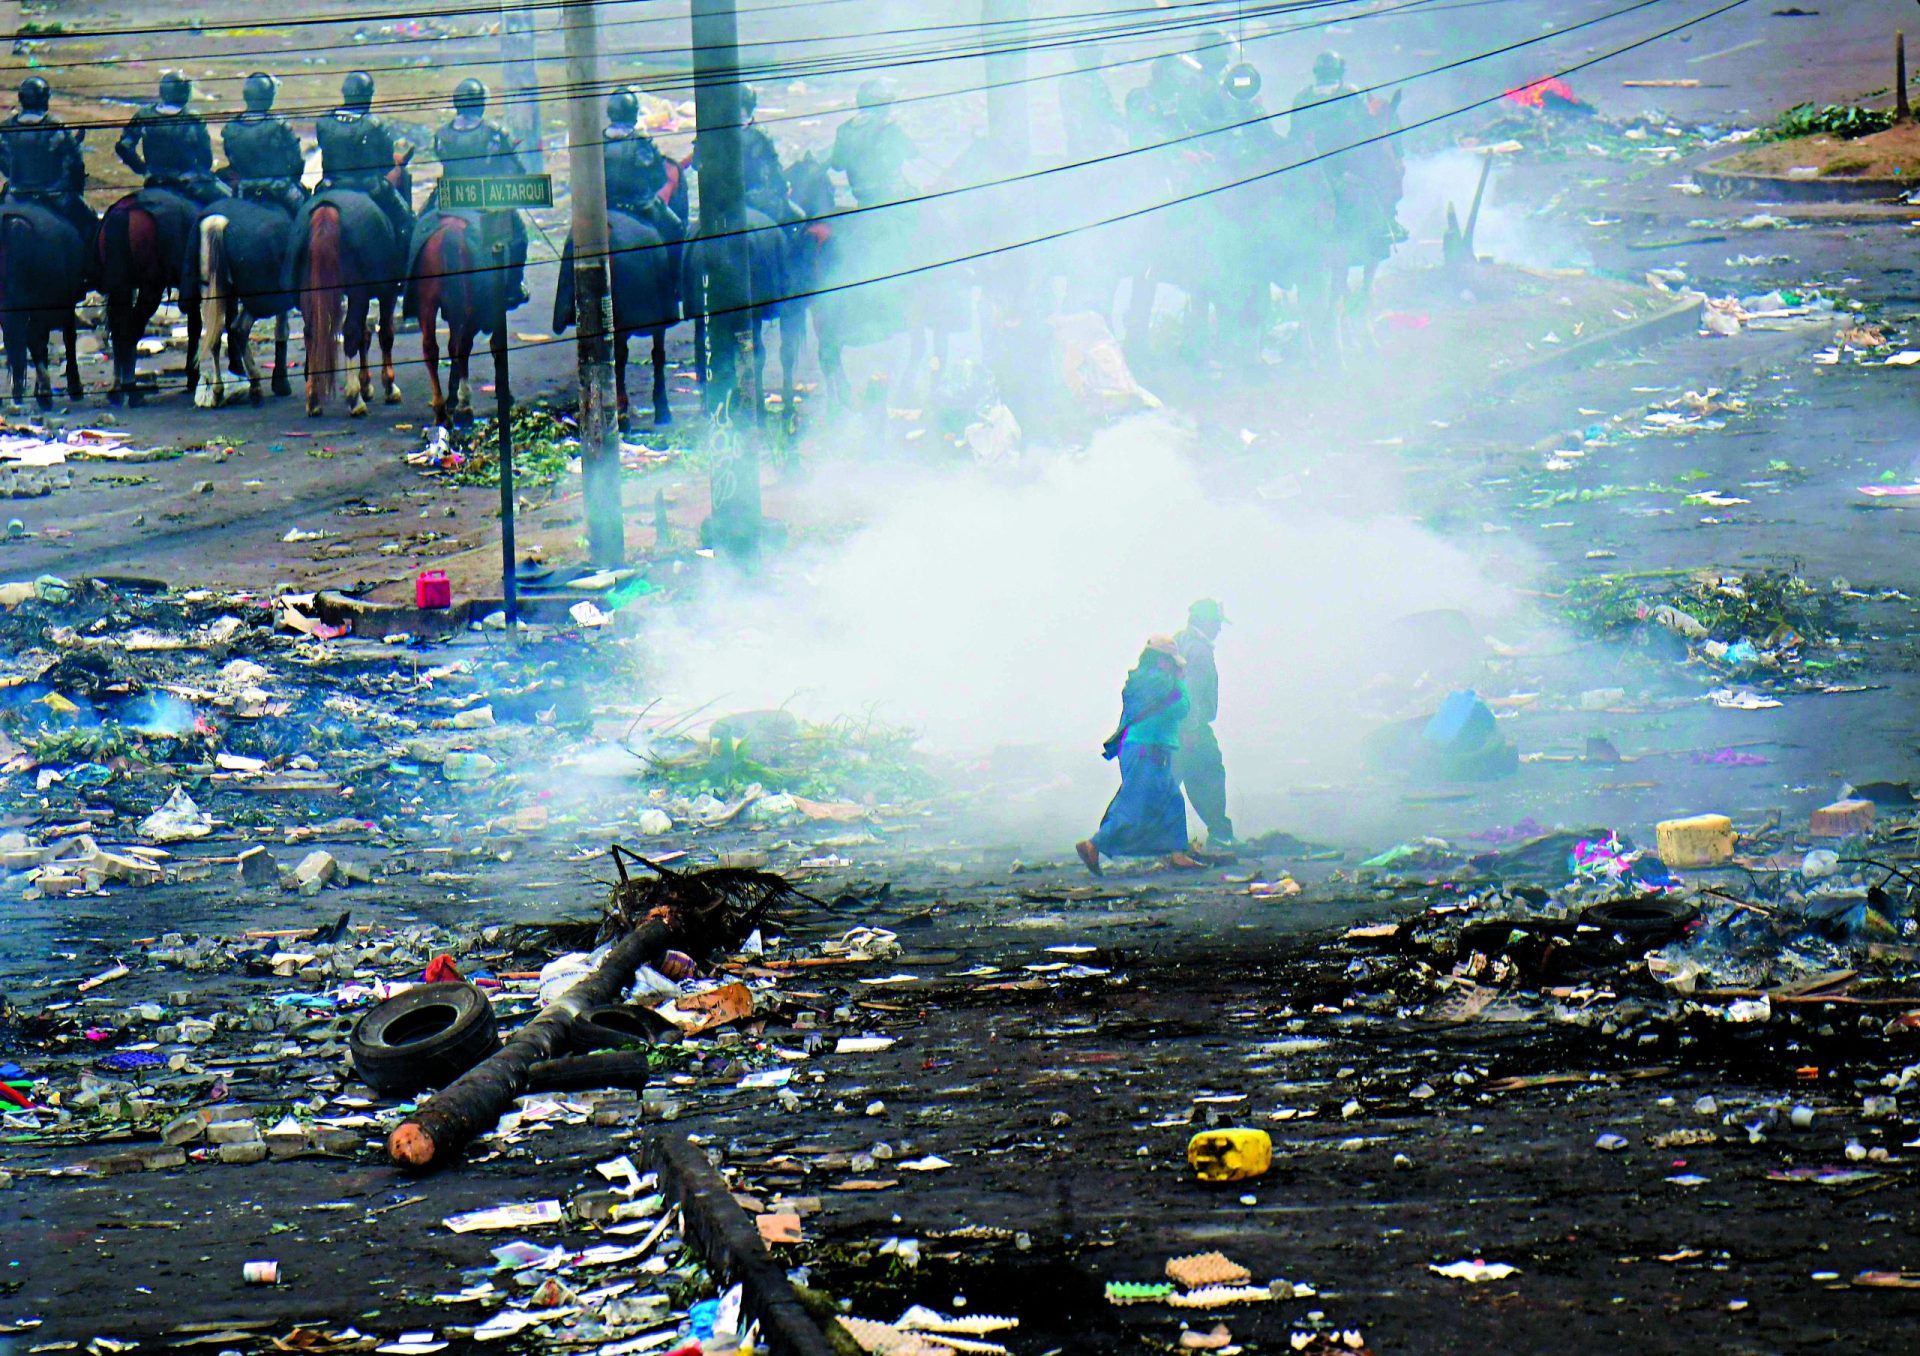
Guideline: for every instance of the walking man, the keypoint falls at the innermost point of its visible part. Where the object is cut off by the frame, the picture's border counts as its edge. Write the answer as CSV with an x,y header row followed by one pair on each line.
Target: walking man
x,y
1197,763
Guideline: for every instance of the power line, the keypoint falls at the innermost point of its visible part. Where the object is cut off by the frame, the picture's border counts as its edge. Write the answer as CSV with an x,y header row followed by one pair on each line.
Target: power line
x,y
1123,154
841,64
1204,193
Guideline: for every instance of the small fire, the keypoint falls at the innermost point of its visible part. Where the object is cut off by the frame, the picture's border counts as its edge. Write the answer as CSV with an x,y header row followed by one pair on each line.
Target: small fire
x,y
1552,94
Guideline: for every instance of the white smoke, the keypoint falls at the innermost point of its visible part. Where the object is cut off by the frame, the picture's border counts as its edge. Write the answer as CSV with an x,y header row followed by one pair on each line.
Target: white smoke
x,y
986,611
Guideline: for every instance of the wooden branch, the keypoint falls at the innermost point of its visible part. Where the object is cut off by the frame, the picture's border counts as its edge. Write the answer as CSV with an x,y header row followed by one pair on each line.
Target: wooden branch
x,y
436,1133
730,1244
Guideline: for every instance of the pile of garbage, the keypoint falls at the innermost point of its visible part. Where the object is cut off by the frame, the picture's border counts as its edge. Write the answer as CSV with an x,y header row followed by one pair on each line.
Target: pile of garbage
x,y
1770,629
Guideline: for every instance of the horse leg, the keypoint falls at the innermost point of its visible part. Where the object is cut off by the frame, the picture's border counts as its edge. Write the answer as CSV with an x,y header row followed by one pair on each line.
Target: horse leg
x,y
354,332
240,340
620,337
430,354
70,332
209,394
119,309
459,363
700,350
16,342
793,328
194,331
662,412
389,319
281,386
759,368
39,335
499,349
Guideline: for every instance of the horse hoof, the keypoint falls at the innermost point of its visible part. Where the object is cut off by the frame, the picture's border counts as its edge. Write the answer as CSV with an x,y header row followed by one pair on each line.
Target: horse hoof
x,y
393,395
206,396
662,416
135,400
282,388
114,397
313,410
254,397
357,410
44,399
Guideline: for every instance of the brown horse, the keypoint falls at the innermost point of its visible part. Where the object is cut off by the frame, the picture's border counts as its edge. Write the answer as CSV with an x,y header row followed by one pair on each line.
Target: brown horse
x,y
347,257
142,250
449,279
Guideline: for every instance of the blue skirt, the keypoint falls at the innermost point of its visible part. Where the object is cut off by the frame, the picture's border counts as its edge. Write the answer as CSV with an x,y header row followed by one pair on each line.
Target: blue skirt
x,y
1148,815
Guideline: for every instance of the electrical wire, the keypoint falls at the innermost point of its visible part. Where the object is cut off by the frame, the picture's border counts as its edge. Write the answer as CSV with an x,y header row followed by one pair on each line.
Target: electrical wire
x,y
1183,199
843,64
1182,139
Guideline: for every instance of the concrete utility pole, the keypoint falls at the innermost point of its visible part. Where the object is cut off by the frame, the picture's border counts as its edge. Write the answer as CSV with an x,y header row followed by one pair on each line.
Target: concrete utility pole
x,y
520,82
593,296
734,488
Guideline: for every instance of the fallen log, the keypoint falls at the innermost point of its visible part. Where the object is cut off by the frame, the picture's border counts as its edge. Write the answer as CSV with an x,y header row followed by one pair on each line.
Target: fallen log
x,y
729,1242
699,912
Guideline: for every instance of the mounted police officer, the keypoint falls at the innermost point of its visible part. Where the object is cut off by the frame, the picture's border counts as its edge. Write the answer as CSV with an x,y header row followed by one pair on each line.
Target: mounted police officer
x,y
636,171
766,178
264,160
170,146
873,150
1327,115
356,152
470,147
40,158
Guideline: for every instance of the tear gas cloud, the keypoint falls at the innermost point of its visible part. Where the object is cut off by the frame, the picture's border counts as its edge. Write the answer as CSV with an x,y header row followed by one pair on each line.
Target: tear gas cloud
x,y
985,611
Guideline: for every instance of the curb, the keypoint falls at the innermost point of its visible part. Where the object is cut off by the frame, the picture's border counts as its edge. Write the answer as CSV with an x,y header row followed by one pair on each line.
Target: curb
x,y
1681,318
1781,188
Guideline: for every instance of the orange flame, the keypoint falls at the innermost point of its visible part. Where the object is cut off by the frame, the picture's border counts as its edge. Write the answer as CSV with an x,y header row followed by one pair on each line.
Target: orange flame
x,y
1540,92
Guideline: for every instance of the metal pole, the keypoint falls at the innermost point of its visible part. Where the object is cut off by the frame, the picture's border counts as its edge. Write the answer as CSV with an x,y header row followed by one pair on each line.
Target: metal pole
x,y
593,297
734,486
503,418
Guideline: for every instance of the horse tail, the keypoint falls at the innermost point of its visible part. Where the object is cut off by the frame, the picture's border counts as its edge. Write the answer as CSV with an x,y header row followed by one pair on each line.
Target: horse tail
x,y
320,298
210,276
456,270
13,254
116,249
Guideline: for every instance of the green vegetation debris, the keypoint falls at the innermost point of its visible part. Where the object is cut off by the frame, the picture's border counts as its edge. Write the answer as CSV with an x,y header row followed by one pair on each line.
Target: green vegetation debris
x,y
1845,121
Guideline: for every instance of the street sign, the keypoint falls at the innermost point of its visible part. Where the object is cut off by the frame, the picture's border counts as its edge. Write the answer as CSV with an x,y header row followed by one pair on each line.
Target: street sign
x,y
497,193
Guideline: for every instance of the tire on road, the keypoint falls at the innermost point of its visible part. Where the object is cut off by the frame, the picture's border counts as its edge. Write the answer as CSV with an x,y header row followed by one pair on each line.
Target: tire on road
x,y
1641,922
613,1026
423,1038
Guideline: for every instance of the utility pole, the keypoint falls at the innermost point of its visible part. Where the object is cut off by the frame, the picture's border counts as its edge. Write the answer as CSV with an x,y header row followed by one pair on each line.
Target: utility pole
x,y
520,82
734,485
593,296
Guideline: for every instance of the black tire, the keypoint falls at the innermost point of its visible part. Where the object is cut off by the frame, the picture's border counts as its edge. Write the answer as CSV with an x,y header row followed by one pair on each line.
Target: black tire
x,y
1638,922
614,1026
586,1073
424,1038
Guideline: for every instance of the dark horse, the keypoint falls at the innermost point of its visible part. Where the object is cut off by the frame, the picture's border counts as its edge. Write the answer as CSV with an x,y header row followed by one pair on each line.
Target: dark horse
x,y
762,250
144,242
452,276
42,278
347,258
644,274
233,279
840,275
